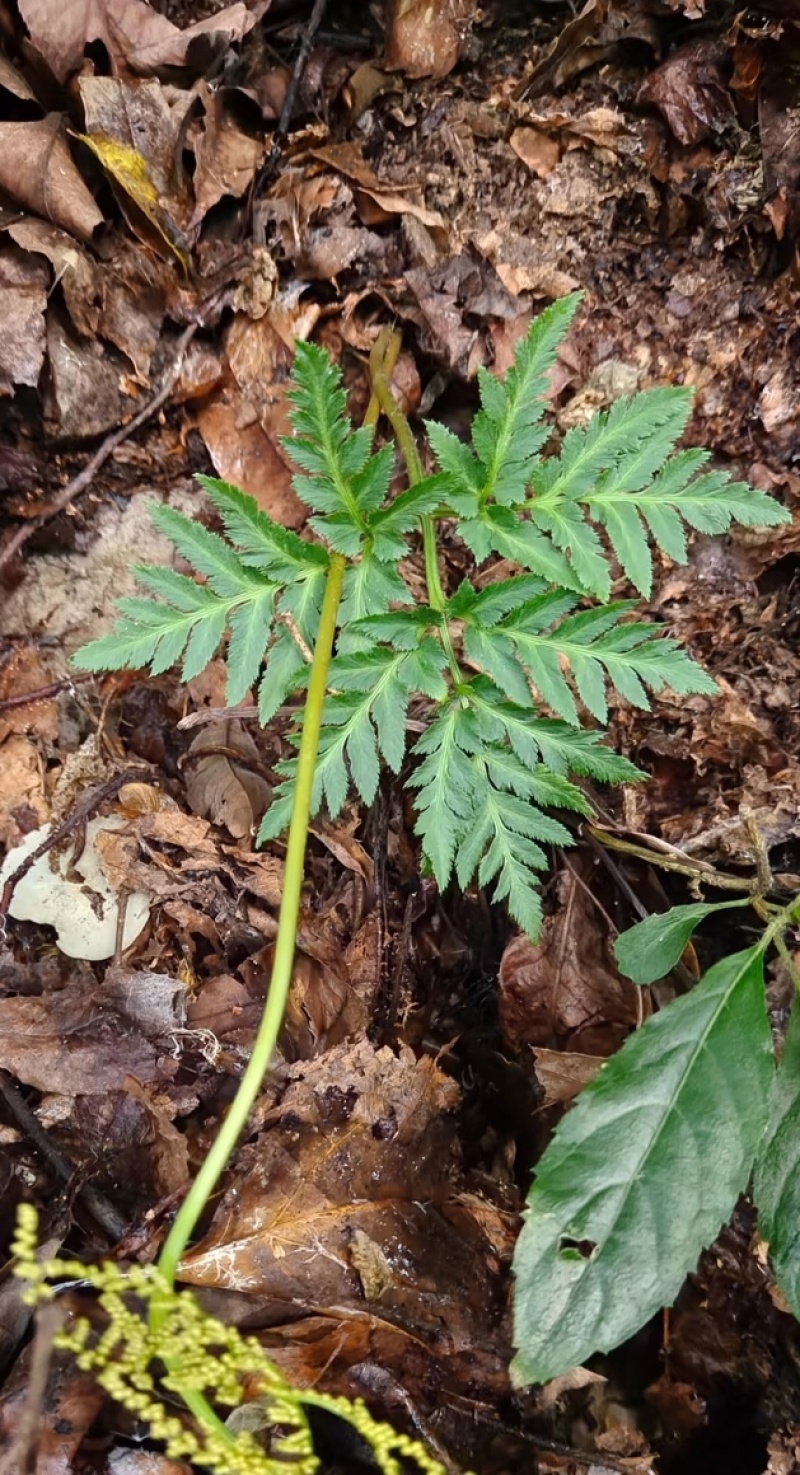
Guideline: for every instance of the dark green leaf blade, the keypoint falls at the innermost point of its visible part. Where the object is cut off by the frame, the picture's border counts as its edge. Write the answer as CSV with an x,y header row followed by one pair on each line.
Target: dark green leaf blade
x,y
777,1179
647,951
643,1171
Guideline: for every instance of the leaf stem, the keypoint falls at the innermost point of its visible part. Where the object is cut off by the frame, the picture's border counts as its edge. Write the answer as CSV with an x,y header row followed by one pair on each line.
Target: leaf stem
x,y
272,1018
381,363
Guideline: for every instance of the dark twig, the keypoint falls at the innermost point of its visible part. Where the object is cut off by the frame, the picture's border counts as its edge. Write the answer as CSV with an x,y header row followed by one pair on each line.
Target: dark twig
x,y
20,1457
101,1210
85,477
269,166
44,693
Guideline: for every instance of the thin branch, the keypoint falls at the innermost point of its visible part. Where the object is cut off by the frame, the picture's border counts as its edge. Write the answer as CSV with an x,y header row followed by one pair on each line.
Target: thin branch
x,y
85,477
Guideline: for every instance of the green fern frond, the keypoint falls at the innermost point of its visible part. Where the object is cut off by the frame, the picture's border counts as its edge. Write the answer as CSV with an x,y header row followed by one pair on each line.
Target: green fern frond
x,y
285,671
340,479
630,509
259,542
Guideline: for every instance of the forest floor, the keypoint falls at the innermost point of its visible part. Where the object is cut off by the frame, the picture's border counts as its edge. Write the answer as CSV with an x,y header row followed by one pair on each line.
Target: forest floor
x,y
644,151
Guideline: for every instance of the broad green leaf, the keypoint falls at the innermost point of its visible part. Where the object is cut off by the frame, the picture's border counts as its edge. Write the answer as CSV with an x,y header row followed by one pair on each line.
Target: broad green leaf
x,y
777,1182
776,1187
643,1171
649,949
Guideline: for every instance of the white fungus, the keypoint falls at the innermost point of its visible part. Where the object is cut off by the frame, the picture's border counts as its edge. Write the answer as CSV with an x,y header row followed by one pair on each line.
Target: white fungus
x,y
83,911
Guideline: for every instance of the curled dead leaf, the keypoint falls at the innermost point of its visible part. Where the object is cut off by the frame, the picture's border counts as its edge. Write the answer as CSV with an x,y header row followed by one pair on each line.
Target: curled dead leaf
x,y
137,136
222,779
37,169
135,35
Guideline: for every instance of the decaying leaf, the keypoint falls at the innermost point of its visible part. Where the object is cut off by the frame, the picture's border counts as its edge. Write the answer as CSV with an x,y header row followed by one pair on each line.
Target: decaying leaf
x,y
536,149
222,778
23,297
23,804
563,1073
137,137
425,36
563,992
347,1192
37,169
135,35
83,395
69,1044
243,428
227,158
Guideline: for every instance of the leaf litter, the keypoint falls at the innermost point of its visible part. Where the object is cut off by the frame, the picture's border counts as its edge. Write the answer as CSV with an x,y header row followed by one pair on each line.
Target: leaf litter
x,y
456,171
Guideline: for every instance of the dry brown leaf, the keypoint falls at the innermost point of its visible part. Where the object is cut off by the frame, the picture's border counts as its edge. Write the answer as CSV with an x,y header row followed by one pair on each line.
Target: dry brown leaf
x,y
69,1044
563,1073
72,1403
536,149
37,169
347,159
153,1001
137,134
563,991
426,36
14,82
26,672
222,779
134,34
83,395
23,804
73,270
242,430
169,1149
227,158
23,297
367,1148
690,91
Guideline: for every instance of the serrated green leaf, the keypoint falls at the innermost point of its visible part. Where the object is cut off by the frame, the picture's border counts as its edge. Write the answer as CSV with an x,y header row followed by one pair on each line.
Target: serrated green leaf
x,y
594,643
506,433
277,817
504,532
369,587
445,780
651,948
286,671
206,552
776,1186
643,1171
204,640
250,627
260,542
562,749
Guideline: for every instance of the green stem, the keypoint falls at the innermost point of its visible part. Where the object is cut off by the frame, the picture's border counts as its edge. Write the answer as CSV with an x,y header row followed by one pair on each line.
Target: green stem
x,y
382,360
272,1018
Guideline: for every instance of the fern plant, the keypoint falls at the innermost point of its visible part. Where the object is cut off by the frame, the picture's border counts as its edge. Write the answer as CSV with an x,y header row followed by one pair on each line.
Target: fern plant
x,y
502,673
505,674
